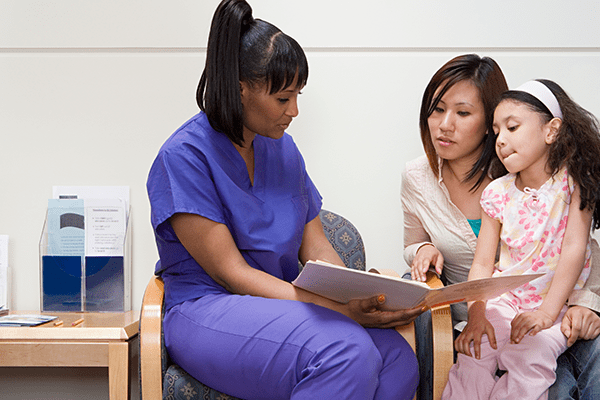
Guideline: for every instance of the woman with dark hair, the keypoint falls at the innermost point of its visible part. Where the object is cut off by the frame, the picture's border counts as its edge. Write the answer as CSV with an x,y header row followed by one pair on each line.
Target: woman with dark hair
x,y
233,209
441,191
442,214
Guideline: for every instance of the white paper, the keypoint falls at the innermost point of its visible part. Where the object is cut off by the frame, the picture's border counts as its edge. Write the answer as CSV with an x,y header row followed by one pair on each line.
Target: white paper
x,y
3,271
105,227
93,192
344,284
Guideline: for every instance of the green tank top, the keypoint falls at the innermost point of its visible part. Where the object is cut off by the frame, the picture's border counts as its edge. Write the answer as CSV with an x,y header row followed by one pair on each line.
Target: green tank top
x,y
475,225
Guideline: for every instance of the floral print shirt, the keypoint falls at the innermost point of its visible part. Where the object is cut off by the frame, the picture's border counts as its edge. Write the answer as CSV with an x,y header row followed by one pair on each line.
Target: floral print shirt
x,y
533,226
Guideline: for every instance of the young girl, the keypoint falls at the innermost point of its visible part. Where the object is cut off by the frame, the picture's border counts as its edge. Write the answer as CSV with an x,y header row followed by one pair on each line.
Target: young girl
x,y
541,212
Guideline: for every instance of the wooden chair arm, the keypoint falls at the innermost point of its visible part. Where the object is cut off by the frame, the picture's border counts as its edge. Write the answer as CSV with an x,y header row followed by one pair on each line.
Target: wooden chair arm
x,y
443,340
150,340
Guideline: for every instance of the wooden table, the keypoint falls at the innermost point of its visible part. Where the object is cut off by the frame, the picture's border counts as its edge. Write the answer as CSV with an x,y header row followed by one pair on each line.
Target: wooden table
x,y
102,340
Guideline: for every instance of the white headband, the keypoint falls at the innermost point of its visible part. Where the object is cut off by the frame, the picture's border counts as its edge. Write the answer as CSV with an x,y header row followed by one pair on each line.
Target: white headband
x,y
542,93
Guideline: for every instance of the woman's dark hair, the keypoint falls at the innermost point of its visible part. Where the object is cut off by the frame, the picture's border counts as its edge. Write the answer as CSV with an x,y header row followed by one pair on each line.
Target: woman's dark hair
x,y
244,49
577,145
487,76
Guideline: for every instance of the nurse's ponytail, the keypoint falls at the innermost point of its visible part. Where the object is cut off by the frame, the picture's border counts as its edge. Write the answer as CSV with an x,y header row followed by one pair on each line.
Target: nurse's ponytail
x,y
218,93
244,49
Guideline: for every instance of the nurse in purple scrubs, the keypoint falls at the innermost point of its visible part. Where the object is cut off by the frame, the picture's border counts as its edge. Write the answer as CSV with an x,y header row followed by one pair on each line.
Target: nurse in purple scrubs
x,y
233,209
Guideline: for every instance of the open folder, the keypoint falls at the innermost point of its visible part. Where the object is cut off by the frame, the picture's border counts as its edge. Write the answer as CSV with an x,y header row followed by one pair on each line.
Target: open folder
x,y
344,284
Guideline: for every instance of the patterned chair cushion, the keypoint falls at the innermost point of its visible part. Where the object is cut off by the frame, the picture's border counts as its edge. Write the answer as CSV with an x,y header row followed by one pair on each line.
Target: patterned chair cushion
x,y
345,239
178,385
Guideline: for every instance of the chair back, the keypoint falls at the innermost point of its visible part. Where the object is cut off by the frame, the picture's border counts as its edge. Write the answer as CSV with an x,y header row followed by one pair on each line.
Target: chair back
x,y
345,239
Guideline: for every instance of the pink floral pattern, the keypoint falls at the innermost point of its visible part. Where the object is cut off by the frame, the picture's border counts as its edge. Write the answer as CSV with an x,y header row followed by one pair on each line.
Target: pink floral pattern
x,y
533,227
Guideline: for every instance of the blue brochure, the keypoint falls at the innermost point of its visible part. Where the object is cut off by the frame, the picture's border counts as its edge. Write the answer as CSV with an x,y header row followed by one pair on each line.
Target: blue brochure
x,y
61,283
66,228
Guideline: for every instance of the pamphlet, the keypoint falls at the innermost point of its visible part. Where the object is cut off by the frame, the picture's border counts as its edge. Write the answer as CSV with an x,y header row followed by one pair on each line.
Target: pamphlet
x,y
106,227
85,250
93,192
344,284
66,227
99,211
25,320
3,273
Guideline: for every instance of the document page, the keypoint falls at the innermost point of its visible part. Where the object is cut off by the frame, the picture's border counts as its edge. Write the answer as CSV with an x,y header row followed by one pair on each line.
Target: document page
x,y
344,284
3,271
92,192
106,226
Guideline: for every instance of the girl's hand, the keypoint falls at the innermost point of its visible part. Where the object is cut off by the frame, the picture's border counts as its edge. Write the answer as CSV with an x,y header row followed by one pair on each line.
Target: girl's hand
x,y
532,322
477,326
368,313
580,323
426,256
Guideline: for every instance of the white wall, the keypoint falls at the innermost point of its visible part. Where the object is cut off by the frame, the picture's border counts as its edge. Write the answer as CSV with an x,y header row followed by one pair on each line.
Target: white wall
x,y
89,90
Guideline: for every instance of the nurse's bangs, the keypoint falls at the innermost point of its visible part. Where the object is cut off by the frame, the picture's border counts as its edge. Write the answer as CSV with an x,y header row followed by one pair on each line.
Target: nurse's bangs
x,y
287,59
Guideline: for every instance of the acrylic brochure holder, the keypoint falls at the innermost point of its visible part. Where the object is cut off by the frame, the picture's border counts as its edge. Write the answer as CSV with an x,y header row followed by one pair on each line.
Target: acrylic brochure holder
x,y
75,283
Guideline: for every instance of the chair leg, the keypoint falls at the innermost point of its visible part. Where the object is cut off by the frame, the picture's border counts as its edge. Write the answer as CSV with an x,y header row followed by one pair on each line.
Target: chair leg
x,y
150,340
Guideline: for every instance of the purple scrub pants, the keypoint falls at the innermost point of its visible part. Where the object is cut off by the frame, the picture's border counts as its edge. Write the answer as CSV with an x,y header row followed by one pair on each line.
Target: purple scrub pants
x,y
257,348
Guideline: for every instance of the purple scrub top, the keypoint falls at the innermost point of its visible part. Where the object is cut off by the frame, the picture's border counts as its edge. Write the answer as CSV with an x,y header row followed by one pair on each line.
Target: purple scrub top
x,y
199,171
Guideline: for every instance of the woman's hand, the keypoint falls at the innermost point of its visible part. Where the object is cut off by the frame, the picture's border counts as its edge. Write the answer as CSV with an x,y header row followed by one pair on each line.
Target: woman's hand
x,y
580,323
369,314
426,256
477,326
532,322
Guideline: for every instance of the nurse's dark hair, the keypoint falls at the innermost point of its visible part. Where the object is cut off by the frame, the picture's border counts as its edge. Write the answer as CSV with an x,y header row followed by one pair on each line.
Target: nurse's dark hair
x,y
486,75
244,49
577,145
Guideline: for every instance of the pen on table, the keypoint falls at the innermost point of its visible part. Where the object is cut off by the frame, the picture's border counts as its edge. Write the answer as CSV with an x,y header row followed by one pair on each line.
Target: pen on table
x,y
78,322
58,323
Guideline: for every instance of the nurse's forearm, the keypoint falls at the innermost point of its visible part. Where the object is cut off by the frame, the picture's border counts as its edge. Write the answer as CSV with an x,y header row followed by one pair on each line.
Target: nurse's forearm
x,y
212,246
316,246
250,281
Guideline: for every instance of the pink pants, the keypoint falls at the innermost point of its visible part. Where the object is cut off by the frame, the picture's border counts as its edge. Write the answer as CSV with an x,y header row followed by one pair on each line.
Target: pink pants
x,y
530,365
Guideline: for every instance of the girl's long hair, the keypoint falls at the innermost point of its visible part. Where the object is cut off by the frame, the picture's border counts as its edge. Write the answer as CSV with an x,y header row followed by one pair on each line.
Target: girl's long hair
x,y
577,145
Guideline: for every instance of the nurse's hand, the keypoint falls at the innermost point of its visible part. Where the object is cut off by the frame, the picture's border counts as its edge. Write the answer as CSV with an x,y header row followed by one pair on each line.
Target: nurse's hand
x,y
427,256
369,314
